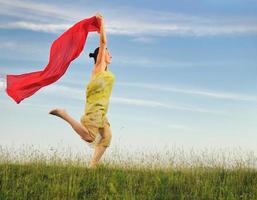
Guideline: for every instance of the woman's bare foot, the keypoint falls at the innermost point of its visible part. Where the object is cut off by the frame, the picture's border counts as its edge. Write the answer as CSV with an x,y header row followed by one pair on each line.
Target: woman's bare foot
x,y
92,166
58,112
78,127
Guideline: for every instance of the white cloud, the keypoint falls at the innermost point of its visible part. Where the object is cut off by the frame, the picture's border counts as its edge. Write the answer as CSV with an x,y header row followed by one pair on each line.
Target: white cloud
x,y
119,21
185,90
197,92
77,94
8,45
149,62
150,103
2,82
146,40
24,50
2,85
139,61
48,28
36,11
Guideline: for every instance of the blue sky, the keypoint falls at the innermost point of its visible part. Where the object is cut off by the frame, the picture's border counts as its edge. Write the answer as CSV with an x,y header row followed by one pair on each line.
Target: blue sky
x,y
185,72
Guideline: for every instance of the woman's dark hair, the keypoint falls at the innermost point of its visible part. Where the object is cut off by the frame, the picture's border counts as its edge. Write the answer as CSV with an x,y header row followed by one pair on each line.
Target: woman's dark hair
x,y
94,55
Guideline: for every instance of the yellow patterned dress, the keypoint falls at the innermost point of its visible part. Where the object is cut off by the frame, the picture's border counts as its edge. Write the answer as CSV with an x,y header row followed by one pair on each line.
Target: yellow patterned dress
x,y
98,92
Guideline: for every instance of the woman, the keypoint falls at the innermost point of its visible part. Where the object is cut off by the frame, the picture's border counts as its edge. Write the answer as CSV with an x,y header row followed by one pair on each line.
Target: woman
x,y
94,127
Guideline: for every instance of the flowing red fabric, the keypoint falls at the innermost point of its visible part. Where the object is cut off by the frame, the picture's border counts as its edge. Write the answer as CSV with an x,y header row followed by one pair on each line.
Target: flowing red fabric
x,y
64,49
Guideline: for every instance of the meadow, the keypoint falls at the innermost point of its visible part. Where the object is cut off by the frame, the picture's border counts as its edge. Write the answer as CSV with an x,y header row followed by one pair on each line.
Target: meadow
x,y
28,173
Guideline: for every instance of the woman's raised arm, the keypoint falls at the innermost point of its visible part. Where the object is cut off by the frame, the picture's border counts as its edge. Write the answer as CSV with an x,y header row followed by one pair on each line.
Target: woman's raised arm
x,y
103,41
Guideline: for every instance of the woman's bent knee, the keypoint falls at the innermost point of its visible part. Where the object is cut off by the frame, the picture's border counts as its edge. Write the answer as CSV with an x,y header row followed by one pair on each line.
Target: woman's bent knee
x,y
106,140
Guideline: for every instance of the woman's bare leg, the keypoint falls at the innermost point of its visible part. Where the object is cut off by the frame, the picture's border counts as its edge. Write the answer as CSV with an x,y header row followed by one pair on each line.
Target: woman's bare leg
x,y
80,129
99,151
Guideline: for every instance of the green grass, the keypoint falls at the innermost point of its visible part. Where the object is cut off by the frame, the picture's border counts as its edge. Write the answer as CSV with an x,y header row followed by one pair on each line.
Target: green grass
x,y
57,177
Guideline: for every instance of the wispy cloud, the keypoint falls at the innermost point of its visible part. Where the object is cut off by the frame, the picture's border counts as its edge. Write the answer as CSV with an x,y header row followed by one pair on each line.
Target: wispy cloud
x,y
196,92
119,21
2,84
8,45
149,62
150,103
39,54
147,40
185,90
33,105
40,12
77,94
160,123
22,47
30,48
48,28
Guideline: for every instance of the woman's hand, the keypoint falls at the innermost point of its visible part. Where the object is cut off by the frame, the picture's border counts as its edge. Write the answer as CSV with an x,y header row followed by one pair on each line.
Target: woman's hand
x,y
100,18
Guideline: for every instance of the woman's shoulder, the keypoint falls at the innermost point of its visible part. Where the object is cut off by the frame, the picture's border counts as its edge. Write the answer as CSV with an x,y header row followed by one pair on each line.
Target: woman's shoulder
x,y
100,70
96,70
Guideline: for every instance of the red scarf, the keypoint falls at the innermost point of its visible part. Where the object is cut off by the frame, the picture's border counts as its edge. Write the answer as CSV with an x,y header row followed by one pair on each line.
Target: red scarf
x,y
63,51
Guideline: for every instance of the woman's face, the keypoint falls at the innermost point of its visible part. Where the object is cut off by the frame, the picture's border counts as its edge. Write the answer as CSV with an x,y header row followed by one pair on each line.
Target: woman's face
x,y
108,57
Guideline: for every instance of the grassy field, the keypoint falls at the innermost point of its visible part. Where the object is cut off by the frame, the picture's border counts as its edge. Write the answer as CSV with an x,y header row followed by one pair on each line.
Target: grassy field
x,y
58,177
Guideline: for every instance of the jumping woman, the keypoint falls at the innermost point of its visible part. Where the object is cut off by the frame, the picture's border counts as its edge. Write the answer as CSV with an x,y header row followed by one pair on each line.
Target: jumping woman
x,y
94,127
